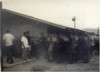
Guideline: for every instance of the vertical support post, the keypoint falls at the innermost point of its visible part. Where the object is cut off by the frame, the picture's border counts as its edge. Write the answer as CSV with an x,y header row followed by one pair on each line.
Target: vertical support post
x,y
98,30
1,37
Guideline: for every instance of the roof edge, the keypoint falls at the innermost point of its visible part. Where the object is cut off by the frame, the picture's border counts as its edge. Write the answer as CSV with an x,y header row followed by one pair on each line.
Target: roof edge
x,y
33,18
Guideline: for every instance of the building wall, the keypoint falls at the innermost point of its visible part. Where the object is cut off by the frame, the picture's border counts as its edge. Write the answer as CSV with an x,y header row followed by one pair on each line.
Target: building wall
x,y
17,25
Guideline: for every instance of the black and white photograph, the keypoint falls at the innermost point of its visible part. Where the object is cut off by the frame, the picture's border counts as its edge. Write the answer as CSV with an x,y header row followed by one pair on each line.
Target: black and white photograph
x,y
49,35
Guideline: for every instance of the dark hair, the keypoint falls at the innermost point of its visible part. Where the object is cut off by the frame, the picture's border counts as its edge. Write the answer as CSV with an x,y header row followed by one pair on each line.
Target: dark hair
x,y
24,33
7,31
27,31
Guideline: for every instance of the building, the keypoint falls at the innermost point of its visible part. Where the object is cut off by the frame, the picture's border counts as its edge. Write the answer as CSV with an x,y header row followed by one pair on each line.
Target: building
x,y
18,23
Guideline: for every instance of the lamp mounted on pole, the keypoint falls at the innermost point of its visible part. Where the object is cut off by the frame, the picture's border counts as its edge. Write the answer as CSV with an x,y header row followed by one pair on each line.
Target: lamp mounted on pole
x,y
74,20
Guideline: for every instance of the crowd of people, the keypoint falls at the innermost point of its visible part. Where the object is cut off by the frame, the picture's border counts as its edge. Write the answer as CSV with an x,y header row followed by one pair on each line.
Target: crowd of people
x,y
54,47
70,48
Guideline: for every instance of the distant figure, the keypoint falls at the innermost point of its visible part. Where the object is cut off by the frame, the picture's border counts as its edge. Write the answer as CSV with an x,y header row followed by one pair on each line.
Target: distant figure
x,y
55,47
62,49
78,49
43,46
91,39
70,49
25,46
28,37
96,45
8,40
50,47
84,48
29,42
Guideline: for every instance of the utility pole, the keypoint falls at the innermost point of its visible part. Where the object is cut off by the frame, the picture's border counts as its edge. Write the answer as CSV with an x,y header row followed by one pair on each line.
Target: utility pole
x,y
98,30
74,20
98,33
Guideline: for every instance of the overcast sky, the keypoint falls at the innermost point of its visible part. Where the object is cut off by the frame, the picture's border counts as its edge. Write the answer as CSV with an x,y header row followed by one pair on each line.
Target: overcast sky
x,y
87,12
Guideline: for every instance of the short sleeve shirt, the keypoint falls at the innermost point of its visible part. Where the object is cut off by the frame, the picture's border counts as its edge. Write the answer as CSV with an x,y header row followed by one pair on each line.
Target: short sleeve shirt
x,y
8,39
24,40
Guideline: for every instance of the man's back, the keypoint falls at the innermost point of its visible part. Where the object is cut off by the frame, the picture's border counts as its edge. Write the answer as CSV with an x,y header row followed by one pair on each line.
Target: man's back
x,y
8,39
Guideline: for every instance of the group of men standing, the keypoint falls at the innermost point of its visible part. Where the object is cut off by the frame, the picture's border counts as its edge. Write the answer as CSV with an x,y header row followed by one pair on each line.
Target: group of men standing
x,y
70,48
9,38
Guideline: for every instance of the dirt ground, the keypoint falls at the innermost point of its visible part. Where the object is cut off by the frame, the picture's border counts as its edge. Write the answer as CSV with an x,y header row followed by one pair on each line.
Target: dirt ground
x,y
45,66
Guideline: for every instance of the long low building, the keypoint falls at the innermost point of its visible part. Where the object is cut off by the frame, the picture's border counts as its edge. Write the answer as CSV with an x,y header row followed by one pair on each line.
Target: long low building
x,y
18,23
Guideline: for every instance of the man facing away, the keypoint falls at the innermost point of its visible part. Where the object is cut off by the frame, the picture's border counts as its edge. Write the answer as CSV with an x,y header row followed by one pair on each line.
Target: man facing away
x,y
8,40
25,46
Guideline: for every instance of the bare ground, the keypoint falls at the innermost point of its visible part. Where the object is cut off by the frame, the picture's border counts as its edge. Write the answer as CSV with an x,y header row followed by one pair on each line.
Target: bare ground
x,y
45,66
